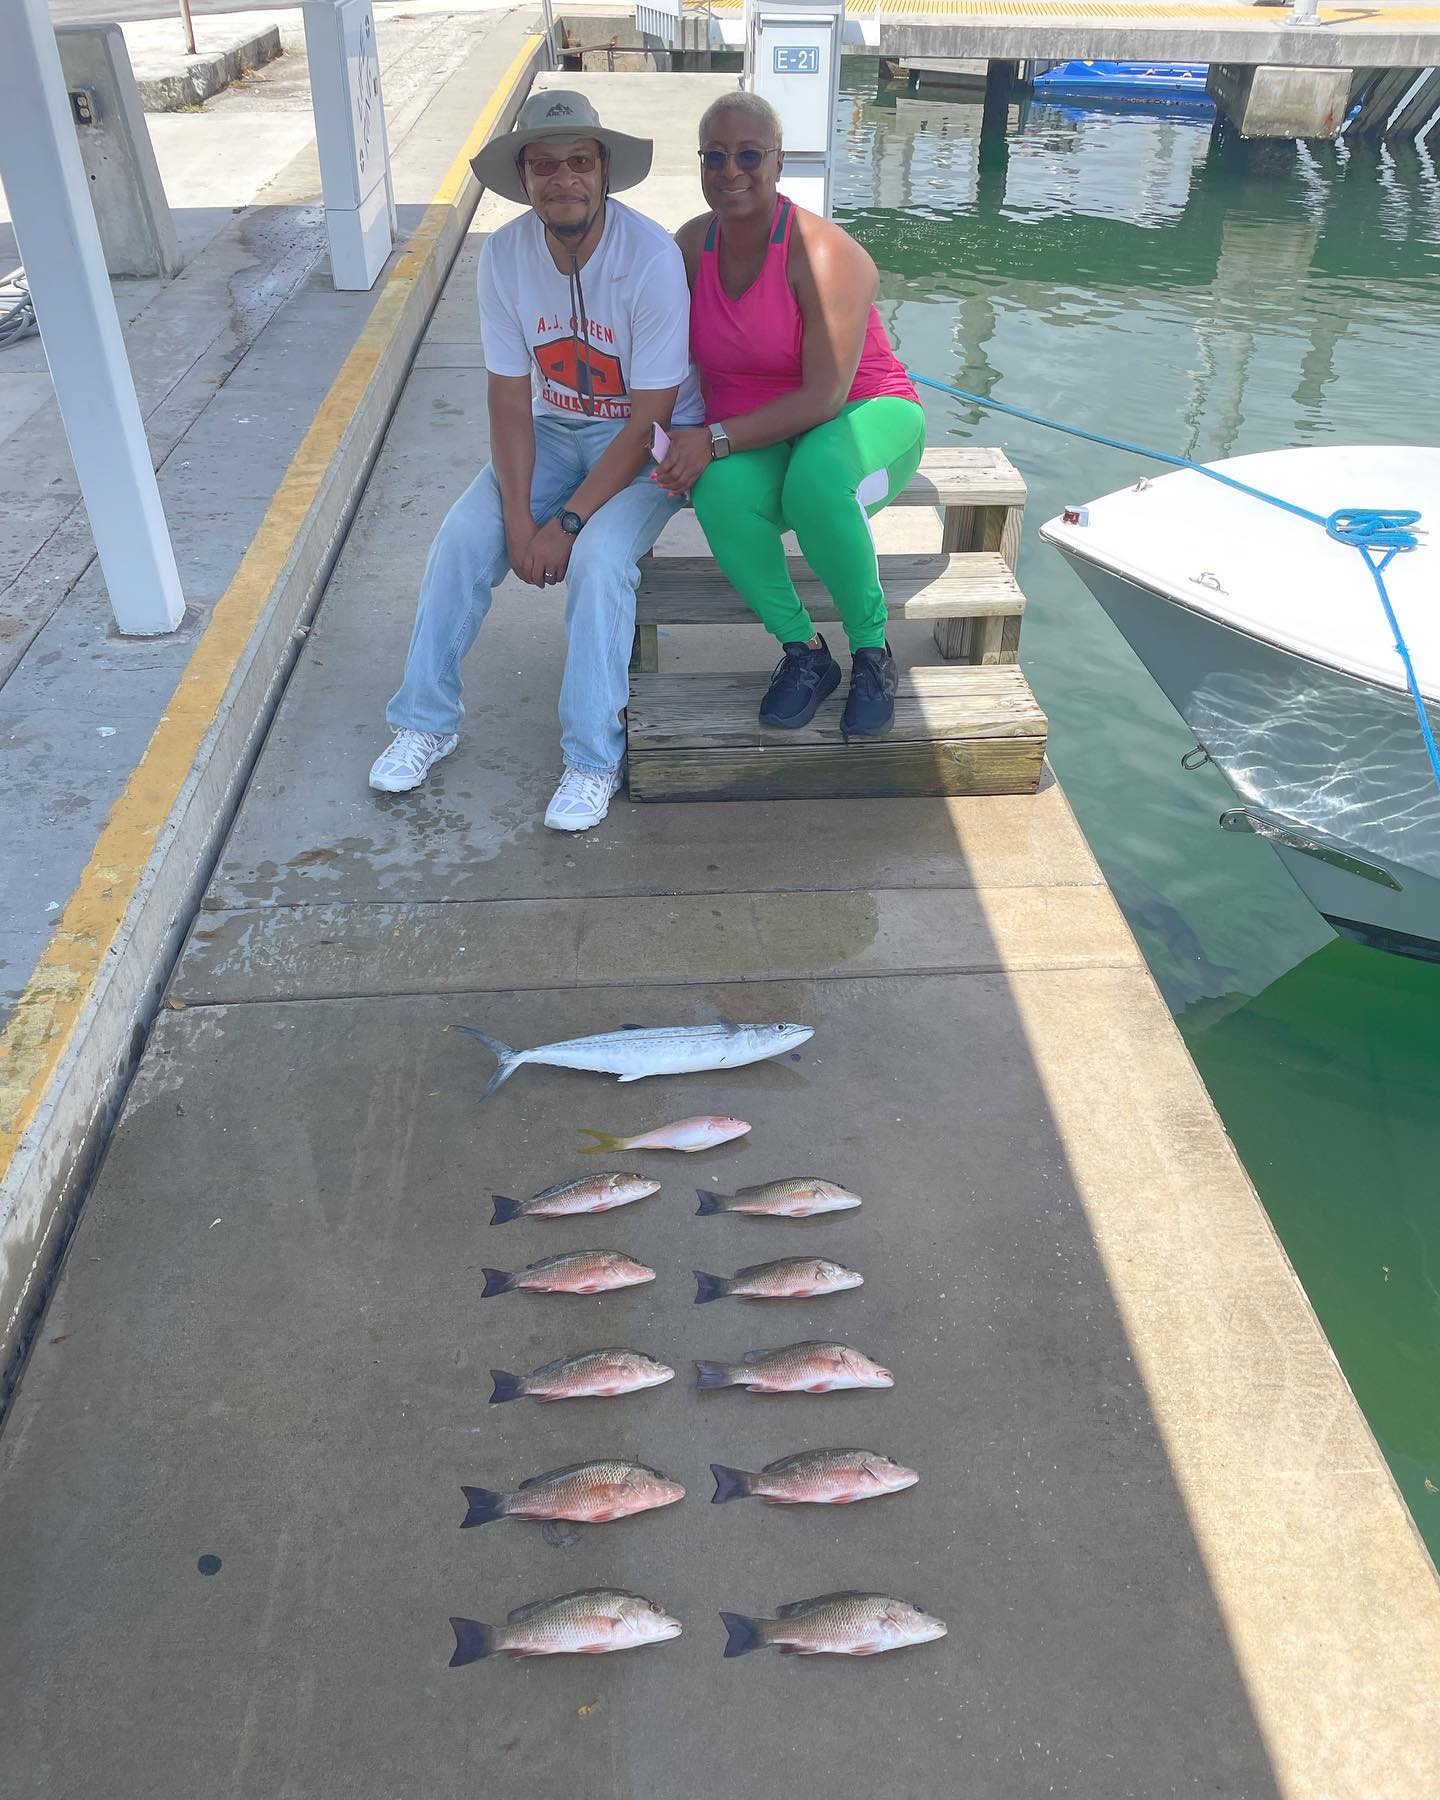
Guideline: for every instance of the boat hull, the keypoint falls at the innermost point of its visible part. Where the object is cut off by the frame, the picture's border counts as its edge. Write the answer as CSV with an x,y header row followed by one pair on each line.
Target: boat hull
x,y
1330,768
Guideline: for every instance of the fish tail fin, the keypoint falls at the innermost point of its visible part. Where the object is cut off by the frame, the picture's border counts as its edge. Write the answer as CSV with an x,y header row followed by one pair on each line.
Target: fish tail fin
x,y
708,1287
709,1203
505,1054
730,1484
605,1142
506,1209
711,1375
485,1506
497,1281
746,1634
507,1386
474,1641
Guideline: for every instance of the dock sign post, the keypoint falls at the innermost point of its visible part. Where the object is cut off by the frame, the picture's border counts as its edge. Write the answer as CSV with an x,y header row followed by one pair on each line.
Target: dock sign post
x,y
793,61
351,139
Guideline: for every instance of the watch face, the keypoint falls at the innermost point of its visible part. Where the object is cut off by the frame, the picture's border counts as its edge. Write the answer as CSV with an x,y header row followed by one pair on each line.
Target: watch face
x,y
571,523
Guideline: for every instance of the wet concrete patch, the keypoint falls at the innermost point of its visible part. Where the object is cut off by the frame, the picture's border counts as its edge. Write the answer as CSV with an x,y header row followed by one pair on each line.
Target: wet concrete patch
x,y
307,952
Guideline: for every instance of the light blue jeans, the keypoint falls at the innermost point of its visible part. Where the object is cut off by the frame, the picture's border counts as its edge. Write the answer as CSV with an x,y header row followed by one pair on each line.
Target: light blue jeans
x,y
469,558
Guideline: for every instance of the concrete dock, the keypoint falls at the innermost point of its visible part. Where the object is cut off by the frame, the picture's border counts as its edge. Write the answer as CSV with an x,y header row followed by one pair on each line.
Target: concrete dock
x,y
1398,34
1170,1554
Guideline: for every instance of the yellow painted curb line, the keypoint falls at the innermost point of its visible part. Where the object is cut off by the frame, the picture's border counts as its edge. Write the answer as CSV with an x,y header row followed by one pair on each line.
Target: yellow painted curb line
x,y
43,1024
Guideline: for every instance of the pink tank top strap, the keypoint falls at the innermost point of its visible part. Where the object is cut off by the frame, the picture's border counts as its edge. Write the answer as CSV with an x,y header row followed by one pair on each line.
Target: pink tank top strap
x,y
783,225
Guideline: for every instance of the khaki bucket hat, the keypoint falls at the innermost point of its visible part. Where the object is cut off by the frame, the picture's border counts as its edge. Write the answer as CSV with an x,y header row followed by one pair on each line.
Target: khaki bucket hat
x,y
559,113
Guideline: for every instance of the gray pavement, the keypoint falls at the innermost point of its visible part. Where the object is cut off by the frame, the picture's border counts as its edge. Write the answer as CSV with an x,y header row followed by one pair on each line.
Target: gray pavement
x,y
295,1209
1170,1556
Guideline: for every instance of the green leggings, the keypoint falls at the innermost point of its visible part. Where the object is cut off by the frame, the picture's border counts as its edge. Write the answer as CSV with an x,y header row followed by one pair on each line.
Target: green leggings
x,y
825,486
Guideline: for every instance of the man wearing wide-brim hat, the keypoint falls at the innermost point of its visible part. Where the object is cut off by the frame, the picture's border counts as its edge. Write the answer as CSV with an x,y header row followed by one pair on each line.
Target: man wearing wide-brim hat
x,y
584,316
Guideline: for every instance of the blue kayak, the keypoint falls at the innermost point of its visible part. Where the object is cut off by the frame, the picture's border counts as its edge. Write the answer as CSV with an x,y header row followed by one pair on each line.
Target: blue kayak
x,y
1123,81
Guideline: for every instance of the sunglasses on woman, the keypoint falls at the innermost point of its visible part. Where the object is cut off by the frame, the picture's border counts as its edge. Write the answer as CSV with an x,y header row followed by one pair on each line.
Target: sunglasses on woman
x,y
747,160
543,167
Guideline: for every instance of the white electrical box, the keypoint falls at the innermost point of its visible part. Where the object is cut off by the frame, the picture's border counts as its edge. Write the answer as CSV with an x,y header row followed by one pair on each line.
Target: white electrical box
x,y
350,137
793,61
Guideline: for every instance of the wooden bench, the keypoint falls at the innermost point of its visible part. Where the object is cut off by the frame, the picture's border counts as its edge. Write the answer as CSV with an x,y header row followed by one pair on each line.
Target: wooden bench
x,y
967,588
959,729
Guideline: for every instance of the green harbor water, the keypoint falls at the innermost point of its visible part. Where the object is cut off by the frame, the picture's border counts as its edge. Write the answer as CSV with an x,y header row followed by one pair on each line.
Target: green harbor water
x,y
1124,272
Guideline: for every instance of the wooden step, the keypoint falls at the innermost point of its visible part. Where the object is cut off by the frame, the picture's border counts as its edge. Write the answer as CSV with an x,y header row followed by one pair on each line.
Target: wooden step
x,y
976,584
958,730
964,475
981,497
950,591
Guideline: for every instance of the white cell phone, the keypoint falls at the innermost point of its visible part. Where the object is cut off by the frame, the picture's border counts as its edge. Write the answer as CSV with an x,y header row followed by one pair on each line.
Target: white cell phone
x,y
659,443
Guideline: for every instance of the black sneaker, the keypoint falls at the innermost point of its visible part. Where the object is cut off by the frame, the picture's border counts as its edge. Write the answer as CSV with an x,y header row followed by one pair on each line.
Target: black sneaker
x,y
870,706
803,678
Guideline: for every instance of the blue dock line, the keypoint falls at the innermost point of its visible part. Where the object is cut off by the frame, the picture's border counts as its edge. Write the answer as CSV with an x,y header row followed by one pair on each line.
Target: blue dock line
x,y
1379,535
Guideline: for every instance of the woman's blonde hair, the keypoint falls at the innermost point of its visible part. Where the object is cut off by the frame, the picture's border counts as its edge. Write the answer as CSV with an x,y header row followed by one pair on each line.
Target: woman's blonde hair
x,y
752,106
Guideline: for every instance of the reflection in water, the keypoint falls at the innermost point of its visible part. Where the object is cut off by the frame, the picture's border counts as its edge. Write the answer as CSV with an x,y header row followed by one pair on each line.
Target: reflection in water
x,y
1331,753
1326,1082
1204,296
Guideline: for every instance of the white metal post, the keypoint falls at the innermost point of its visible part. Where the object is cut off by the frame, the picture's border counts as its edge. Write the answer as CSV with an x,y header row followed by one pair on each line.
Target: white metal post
x,y
350,137
794,62
60,247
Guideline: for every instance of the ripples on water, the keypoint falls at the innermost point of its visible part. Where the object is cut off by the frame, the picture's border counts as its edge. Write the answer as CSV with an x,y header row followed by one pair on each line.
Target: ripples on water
x,y
1124,272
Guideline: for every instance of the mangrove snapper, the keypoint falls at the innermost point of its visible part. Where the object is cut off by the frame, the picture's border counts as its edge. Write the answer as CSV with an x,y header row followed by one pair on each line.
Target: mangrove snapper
x,y
834,1625
685,1134
592,1375
591,1493
794,1197
588,1623
591,1194
788,1278
809,1368
815,1478
576,1272
635,1051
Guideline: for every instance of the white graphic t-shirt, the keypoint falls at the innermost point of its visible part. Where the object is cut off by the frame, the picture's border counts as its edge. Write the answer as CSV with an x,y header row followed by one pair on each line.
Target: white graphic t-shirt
x,y
637,334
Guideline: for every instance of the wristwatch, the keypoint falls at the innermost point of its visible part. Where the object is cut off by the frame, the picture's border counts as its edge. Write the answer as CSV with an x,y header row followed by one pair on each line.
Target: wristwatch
x,y
719,443
571,524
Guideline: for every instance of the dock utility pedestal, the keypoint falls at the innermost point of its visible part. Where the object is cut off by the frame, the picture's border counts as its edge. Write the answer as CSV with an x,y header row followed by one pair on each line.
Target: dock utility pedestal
x,y
968,725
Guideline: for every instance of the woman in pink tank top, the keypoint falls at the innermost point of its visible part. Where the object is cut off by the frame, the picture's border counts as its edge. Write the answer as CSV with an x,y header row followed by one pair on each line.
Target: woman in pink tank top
x,y
812,423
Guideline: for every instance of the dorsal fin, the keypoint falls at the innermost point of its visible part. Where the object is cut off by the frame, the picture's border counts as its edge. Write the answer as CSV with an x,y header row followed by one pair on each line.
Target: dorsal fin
x,y
531,1607
794,1608
555,1474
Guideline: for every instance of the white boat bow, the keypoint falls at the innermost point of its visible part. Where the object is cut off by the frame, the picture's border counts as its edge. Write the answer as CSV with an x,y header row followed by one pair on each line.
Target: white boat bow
x,y
1269,639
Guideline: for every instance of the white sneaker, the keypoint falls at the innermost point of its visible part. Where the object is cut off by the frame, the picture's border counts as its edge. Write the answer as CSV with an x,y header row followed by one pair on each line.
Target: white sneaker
x,y
581,800
409,759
